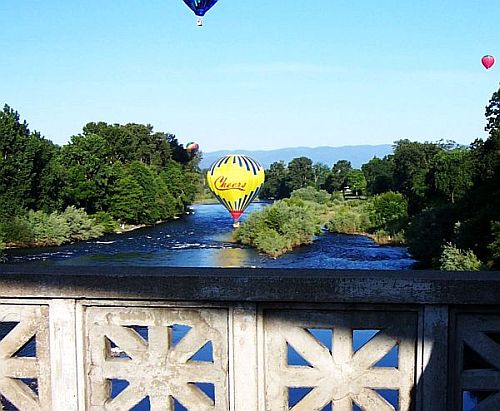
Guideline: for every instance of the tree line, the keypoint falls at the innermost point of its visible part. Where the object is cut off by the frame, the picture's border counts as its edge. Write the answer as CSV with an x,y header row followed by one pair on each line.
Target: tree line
x,y
439,198
108,174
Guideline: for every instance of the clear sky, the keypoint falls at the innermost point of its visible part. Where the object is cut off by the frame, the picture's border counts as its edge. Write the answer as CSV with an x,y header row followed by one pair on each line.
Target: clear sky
x,y
261,74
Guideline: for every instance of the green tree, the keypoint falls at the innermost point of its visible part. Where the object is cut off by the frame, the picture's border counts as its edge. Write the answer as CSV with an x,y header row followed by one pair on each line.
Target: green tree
x,y
126,203
429,230
336,181
451,174
24,156
378,174
86,171
356,181
321,173
300,173
480,205
493,113
412,162
275,184
390,212
182,184
133,142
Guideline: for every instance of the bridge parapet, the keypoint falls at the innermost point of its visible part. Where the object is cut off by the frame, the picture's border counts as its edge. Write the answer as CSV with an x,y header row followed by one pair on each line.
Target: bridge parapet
x,y
247,339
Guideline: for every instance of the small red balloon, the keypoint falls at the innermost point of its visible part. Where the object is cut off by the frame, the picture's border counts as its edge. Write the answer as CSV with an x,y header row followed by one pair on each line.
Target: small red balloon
x,y
488,61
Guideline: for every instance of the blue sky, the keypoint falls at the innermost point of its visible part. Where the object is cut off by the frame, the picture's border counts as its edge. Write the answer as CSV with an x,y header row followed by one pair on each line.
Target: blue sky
x,y
260,74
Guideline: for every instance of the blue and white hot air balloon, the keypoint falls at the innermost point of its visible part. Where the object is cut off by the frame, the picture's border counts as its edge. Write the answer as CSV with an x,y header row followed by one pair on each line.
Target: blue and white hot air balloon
x,y
200,7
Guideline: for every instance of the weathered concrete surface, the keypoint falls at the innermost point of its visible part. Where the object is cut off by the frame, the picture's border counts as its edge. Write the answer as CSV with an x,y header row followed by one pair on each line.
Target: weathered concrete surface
x,y
251,285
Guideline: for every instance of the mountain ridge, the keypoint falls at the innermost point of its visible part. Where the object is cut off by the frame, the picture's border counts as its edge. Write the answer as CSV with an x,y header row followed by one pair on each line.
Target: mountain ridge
x,y
357,155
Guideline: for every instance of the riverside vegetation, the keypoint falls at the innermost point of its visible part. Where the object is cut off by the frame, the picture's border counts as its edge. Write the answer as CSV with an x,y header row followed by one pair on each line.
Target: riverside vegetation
x,y
441,199
294,221
107,178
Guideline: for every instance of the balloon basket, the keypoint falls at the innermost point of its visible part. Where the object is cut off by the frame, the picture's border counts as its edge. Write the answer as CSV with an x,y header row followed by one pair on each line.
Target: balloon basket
x,y
199,21
236,224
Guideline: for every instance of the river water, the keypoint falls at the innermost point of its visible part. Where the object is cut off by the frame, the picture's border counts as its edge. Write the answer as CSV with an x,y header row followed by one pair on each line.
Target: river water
x,y
203,238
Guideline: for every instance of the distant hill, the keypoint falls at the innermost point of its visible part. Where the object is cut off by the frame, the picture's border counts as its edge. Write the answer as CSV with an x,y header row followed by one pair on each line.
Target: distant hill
x,y
357,155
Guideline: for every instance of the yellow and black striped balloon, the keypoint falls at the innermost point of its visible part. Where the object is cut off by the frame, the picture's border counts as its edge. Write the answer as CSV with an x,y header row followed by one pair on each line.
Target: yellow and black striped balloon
x,y
235,181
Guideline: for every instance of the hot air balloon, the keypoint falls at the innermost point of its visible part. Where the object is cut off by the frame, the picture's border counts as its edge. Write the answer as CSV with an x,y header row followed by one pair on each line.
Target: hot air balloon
x,y
200,7
488,61
192,148
235,181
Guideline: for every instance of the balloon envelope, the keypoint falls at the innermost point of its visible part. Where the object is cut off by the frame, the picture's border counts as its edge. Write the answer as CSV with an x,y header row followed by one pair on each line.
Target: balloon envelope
x,y
235,180
192,148
200,7
488,61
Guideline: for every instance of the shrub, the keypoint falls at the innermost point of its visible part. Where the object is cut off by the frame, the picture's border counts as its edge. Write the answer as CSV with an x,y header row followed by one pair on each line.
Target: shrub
x,y
390,212
311,194
279,227
80,225
105,221
454,259
350,217
48,229
17,230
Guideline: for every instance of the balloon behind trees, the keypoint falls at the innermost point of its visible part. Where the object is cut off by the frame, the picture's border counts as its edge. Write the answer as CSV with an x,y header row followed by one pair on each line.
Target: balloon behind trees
x,y
192,148
235,180
488,61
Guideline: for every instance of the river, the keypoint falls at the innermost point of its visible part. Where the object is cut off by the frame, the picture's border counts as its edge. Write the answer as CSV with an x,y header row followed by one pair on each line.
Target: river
x,y
203,238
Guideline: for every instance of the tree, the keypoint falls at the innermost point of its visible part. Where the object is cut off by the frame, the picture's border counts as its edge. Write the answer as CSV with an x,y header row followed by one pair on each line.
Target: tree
x,y
140,197
480,205
321,172
493,113
356,181
300,173
378,174
275,183
24,156
337,179
451,174
390,212
412,161
137,142
87,172
429,230
181,184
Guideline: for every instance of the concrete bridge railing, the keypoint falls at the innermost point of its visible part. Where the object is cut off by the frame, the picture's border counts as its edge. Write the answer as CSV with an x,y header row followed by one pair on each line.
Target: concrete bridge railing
x,y
247,339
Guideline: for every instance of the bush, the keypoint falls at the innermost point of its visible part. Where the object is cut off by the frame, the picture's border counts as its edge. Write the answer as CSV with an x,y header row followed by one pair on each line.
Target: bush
x,y
454,259
17,230
312,194
350,217
80,225
38,228
105,221
48,229
279,227
390,212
